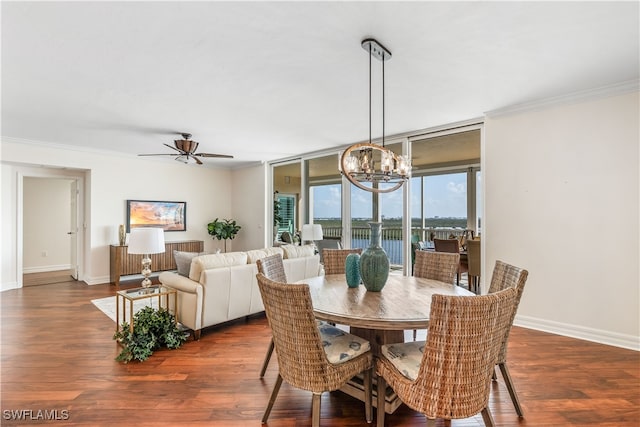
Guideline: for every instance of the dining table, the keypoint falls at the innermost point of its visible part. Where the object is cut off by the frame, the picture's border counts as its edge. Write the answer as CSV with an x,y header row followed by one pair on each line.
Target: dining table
x,y
404,303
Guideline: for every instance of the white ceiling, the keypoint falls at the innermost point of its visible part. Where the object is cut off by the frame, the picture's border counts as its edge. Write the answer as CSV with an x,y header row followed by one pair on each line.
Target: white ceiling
x,y
267,80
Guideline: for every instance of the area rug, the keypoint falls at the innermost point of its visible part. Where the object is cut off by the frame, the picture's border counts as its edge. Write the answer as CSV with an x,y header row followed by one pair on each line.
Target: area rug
x,y
108,306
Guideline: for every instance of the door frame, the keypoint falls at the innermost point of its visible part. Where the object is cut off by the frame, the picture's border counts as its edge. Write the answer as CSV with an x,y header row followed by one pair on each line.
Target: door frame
x,y
54,173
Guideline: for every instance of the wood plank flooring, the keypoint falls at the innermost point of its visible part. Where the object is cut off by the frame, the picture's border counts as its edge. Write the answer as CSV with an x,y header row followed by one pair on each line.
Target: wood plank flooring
x,y
57,354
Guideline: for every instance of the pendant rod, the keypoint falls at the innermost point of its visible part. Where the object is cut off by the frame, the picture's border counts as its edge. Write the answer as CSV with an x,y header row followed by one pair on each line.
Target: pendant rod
x,y
370,55
383,103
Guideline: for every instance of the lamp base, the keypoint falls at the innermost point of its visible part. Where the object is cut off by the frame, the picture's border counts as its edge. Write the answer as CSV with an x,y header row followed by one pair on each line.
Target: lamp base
x,y
146,271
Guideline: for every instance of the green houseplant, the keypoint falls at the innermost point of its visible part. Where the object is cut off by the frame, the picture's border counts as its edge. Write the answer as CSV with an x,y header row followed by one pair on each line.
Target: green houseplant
x,y
225,229
152,329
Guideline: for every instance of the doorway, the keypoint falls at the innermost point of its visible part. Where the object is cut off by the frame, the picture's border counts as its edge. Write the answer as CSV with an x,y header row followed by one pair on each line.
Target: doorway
x,y
49,213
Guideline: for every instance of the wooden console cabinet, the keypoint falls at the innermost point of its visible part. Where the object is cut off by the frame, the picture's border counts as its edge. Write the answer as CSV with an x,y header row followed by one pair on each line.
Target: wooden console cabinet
x,y
123,263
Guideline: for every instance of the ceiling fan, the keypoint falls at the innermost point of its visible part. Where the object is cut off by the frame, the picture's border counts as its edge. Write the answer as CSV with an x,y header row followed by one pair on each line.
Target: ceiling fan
x,y
186,149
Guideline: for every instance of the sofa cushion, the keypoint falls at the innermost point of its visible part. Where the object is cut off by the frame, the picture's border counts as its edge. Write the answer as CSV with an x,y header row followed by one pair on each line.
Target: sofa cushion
x,y
207,262
293,251
183,261
256,254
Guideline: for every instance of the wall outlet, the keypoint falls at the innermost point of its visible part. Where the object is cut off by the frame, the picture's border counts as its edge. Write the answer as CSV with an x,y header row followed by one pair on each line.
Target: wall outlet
x,y
45,254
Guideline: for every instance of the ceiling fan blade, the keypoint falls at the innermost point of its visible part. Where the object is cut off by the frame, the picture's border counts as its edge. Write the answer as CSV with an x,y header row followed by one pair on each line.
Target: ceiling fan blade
x,y
198,161
173,148
224,156
163,154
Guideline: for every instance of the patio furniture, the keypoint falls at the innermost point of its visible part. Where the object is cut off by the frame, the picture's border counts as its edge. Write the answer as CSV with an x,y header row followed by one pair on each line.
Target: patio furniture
x,y
452,246
474,259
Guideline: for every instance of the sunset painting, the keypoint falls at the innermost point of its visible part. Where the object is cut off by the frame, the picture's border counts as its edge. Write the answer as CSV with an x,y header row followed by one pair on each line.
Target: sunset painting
x,y
171,216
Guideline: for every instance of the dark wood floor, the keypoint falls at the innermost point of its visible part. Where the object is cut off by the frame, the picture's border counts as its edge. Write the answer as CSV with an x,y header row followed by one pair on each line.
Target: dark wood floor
x,y
57,355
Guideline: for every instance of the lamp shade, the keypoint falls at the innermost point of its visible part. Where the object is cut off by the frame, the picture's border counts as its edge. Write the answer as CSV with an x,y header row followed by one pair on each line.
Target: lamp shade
x,y
311,232
146,241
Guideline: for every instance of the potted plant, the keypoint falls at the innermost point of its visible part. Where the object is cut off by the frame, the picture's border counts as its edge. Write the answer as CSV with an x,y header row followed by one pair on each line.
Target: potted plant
x,y
225,229
277,218
152,329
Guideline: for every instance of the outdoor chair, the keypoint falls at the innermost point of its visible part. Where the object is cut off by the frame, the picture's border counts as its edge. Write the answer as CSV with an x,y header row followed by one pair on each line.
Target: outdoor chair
x,y
474,258
452,246
508,276
273,268
334,259
311,357
449,375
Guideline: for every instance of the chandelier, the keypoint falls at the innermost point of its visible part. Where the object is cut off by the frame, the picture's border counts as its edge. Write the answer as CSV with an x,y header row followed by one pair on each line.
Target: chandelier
x,y
371,163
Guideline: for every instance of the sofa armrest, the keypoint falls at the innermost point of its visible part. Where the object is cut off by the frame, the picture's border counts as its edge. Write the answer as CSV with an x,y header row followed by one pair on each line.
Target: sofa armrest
x,y
190,299
178,282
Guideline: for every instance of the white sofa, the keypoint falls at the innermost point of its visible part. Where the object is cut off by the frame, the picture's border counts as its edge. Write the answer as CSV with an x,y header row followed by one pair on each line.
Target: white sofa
x,y
223,287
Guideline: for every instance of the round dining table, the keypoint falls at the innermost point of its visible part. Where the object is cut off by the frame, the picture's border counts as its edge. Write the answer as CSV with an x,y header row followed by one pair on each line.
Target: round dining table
x,y
380,317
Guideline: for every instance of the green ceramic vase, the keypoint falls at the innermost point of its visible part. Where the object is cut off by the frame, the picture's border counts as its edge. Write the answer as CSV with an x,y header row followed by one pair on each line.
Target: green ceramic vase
x,y
374,263
352,270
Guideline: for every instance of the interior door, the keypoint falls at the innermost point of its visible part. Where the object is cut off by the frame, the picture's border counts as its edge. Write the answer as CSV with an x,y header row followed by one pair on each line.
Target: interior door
x,y
73,229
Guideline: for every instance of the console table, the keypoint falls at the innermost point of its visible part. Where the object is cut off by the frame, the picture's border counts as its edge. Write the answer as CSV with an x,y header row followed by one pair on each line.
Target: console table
x,y
123,263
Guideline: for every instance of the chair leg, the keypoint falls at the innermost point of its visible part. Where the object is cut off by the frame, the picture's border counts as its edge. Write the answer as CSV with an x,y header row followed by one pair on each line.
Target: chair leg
x,y
494,377
382,390
415,334
368,410
272,399
196,334
267,357
315,409
511,388
487,418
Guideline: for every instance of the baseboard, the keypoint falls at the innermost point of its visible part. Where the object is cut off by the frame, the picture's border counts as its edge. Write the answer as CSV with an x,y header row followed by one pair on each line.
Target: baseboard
x,y
574,331
8,286
46,268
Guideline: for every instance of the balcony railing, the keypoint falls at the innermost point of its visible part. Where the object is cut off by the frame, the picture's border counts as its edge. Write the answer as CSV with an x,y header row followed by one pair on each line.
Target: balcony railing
x,y
392,238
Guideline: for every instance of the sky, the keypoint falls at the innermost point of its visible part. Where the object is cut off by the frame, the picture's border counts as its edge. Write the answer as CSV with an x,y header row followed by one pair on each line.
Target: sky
x,y
445,196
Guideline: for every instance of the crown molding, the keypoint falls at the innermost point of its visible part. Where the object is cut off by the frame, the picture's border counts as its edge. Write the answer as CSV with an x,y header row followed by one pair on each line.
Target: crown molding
x,y
590,94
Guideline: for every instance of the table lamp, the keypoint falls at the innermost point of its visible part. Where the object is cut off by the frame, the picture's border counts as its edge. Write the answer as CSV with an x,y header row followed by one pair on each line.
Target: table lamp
x,y
146,241
311,232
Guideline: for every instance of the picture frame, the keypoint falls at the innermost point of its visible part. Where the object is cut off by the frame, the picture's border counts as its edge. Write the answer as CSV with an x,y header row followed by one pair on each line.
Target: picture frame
x,y
170,216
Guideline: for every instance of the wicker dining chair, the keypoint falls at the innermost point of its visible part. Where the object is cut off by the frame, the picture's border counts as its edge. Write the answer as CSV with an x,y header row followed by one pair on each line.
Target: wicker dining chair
x,y
474,258
451,246
508,276
334,259
273,268
311,357
441,266
449,375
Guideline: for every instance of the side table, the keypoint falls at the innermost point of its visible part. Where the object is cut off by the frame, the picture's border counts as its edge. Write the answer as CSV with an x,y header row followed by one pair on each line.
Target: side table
x,y
132,295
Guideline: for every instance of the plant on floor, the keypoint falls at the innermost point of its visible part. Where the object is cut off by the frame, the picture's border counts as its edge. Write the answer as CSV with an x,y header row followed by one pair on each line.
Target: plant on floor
x,y
223,230
152,329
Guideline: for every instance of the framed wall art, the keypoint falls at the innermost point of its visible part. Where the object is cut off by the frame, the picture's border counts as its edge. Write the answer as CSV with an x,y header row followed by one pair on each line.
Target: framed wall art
x,y
171,216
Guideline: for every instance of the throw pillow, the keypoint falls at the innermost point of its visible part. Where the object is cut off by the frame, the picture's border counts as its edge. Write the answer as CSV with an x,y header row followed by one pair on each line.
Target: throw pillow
x,y
183,261
293,251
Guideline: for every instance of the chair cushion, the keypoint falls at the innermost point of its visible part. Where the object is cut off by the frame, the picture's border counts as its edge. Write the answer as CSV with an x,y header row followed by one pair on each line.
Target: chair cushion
x,y
256,254
405,357
183,261
294,251
340,346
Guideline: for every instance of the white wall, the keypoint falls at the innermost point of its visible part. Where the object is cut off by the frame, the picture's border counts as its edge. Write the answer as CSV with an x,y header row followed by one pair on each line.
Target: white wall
x,y
562,200
47,219
248,198
111,180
